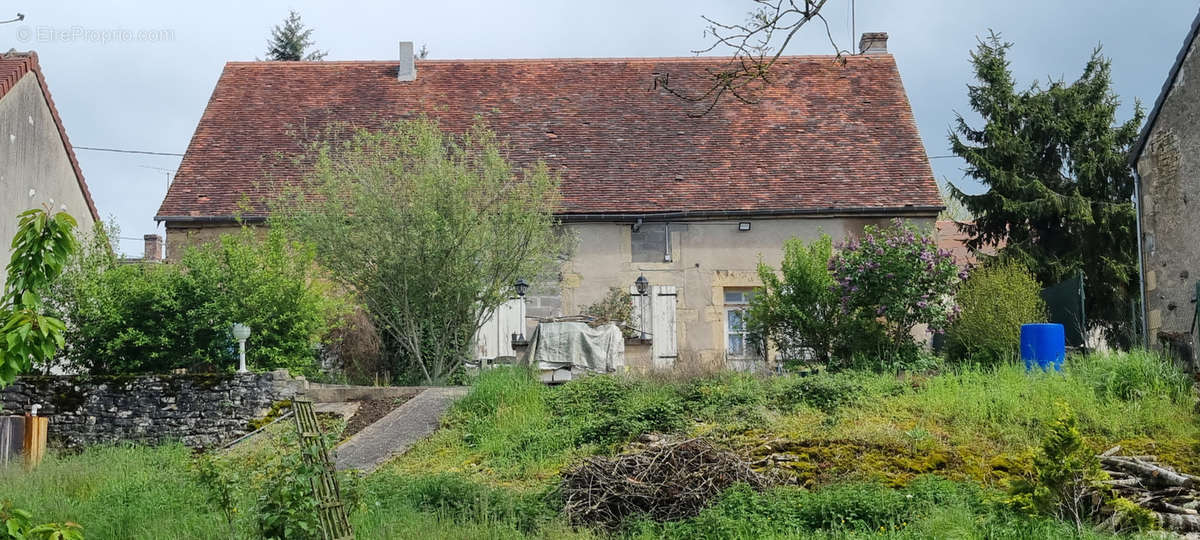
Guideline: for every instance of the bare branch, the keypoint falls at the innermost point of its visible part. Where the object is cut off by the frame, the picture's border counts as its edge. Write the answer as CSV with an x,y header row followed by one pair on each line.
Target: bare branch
x,y
756,45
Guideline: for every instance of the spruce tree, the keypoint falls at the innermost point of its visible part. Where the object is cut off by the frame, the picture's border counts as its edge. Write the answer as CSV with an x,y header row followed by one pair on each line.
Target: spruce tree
x,y
290,40
1059,189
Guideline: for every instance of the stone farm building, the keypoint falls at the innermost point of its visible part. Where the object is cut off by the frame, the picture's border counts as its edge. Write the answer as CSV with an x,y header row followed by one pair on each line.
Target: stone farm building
x,y
1167,160
692,203
37,163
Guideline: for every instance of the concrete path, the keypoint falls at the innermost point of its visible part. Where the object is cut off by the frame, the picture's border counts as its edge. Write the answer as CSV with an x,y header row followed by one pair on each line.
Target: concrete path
x,y
393,434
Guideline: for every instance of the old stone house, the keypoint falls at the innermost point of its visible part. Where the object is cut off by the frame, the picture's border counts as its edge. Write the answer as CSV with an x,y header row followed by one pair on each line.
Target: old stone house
x,y
37,164
1166,159
691,203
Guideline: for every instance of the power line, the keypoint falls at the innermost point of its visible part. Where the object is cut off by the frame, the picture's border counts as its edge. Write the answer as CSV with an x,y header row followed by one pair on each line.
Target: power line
x,y
120,151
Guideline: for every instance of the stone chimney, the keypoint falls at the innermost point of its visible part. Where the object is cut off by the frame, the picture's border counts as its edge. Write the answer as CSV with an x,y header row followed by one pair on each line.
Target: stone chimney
x,y
408,63
153,249
873,43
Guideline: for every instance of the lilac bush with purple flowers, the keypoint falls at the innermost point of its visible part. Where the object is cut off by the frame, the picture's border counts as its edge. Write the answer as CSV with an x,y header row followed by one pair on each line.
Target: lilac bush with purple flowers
x,y
897,275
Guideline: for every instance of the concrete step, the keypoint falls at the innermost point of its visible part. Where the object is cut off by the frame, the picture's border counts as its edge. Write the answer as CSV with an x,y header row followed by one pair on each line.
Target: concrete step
x,y
395,433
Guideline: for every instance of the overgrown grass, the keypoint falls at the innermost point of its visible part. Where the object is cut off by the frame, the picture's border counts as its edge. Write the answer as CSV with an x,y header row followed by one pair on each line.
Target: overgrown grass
x,y
117,492
912,456
974,423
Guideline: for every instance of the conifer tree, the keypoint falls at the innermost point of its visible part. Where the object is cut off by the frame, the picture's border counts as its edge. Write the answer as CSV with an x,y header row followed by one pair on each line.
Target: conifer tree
x,y
290,40
1059,187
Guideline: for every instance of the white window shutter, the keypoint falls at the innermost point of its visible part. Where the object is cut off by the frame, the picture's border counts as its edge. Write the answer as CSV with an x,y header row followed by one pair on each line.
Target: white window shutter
x,y
662,326
494,337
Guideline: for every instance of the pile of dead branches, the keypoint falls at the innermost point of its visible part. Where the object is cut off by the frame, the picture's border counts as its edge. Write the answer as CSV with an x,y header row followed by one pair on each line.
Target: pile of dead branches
x,y
665,480
1173,497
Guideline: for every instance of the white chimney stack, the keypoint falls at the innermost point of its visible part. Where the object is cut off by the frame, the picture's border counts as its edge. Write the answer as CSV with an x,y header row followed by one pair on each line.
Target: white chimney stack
x,y
408,64
873,43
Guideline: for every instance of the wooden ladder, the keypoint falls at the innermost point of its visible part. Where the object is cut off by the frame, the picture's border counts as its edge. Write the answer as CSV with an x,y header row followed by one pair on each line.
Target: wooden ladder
x,y
335,525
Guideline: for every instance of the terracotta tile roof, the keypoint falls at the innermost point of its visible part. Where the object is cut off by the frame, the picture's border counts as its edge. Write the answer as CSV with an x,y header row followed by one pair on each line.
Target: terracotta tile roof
x,y
14,66
822,138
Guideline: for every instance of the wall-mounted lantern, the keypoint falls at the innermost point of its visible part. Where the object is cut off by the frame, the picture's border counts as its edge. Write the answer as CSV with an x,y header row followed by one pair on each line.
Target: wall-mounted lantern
x,y
642,284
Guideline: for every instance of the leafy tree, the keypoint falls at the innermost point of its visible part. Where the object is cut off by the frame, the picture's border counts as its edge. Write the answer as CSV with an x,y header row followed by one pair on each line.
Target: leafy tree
x,y
40,249
1059,187
799,309
134,318
291,40
429,229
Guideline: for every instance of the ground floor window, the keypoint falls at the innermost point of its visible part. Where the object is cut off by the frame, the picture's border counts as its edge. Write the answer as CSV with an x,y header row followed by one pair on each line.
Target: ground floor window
x,y
738,342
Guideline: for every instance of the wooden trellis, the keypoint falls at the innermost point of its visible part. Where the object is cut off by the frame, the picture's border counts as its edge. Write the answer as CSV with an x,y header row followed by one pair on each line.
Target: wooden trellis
x,y
335,524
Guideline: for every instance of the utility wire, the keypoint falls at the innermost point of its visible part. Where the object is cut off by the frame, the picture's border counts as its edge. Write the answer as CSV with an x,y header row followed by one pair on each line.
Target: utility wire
x,y
120,151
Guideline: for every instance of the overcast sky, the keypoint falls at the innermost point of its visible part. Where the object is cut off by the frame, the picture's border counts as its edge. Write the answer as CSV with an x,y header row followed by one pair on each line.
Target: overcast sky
x,y
148,92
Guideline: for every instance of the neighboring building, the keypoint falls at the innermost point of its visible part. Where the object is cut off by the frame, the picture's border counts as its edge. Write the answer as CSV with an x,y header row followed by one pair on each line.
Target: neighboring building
x,y
37,164
951,239
691,203
1167,161
152,251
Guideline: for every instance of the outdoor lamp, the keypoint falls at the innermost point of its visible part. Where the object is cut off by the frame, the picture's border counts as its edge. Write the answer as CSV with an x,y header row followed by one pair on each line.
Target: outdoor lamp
x,y
642,284
240,333
521,287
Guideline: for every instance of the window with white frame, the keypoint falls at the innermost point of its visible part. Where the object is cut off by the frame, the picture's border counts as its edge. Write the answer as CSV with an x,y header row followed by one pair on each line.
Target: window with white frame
x,y
738,342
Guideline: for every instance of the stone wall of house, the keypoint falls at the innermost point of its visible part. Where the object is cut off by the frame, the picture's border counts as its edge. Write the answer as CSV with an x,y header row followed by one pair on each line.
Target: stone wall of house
x,y
199,410
1169,168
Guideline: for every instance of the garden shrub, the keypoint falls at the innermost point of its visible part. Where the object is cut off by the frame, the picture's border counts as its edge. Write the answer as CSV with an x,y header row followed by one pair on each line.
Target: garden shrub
x,y
797,311
615,307
995,301
137,318
898,278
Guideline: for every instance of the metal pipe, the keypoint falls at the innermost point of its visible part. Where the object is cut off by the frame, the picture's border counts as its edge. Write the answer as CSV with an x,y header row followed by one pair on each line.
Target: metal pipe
x,y
1137,206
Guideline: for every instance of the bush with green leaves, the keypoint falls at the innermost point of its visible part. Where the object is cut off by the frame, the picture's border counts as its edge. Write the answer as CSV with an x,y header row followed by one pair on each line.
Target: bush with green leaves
x,y
995,301
140,318
17,524
797,310
614,307
40,250
896,276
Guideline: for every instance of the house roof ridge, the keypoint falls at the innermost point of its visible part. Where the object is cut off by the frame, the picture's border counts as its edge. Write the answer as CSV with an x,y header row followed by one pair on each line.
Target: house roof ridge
x,y
547,60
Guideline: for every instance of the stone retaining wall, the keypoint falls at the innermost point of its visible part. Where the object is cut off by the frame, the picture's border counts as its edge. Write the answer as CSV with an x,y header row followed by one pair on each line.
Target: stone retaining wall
x,y
200,410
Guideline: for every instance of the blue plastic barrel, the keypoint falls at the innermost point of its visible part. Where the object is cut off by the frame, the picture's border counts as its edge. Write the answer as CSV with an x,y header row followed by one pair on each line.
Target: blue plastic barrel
x,y
1043,345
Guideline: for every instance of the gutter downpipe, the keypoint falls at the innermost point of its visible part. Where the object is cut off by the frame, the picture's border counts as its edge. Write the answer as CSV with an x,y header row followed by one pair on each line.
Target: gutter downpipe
x,y
1137,205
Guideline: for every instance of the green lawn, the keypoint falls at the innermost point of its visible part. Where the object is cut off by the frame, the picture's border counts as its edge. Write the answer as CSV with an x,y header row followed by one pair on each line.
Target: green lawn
x,y
878,456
